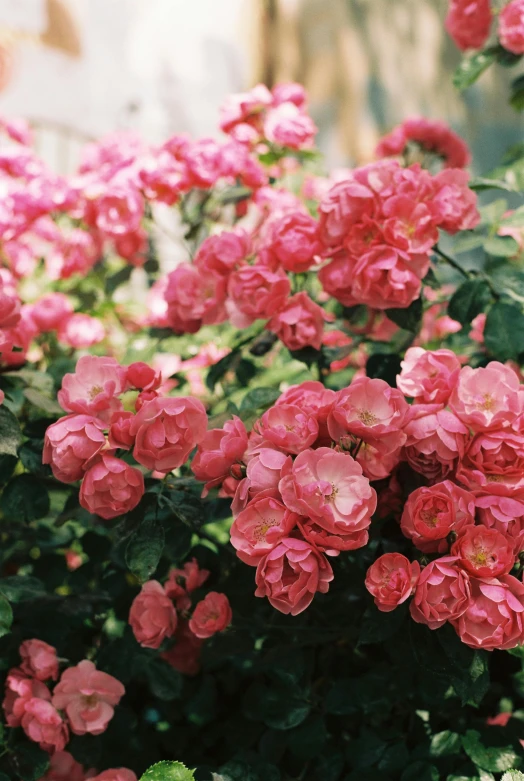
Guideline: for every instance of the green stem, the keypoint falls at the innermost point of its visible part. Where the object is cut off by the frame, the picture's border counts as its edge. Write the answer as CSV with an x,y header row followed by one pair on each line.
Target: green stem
x,y
452,262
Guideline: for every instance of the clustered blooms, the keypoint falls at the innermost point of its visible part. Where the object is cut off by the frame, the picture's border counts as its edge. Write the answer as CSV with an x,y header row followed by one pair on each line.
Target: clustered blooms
x,y
161,432
82,702
464,439
468,22
430,136
162,612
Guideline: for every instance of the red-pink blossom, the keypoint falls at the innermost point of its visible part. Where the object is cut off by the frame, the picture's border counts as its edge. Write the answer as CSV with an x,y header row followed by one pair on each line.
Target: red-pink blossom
x,y
432,136
289,126
115,774
119,435
436,440
218,451
19,690
39,660
260,527
70,445
141,376
300,323
182,582
454,204
292,242
118,210
289,92
194,299
152,616
428,376
488,397
409,224
391,580
213,614
483,552
431,513
64,767
314,399
88,697
111,487
442,593
50,311
493,462
287,427
9,307
244,107
505,514
477,328
94,386
368,409
81,331
184,656
495,615
511,27
468,22
256,292
43,724
223,252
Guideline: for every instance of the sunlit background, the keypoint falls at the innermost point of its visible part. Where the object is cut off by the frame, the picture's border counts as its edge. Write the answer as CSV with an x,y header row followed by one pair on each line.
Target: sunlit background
x,y
78,69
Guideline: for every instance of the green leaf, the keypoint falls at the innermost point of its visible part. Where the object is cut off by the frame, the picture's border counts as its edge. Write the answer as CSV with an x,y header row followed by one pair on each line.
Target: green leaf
x,y
472,66
469,300
491,183
24,499
31,761
307,741
245,371
6,616
220,368
409,318
384,366
20,588
42,402
517,94
444,744
420,771
10,433
501,246
513,775
377,627
165,682
115,280
493,758
168,771
473,684
504,331
257,399
144,549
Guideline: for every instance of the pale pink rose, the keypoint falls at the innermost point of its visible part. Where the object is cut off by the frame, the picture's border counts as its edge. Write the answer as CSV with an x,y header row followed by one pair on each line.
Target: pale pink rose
x,y
39,660
292,242
436,440
488,397
442,593
118,210
64,767
368,409
289,92
428,376
182,582
291,574
71,443
300,323
81,331
391,580
511,27
184,656
166,430
152,616
264,469
141,376
505,514
314,399
219,450
287,125
430,514
194,299
256,292
222,253
493,462
119,434
19,690
50,311
94,387
328,488
213,614
483,552
243,107
495,616
468,22
9,306
477,331
260,527
43,724
88,696
454,204
111,488
115,774
287,427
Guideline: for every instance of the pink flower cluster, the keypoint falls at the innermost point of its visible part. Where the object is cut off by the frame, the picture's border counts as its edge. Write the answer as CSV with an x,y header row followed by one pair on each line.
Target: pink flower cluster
x,y
431,136
82,702
64,767
464,436
161,612
468,22
161,433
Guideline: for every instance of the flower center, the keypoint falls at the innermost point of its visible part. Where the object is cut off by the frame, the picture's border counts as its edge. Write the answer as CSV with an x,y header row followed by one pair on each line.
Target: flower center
x,y
261,530
366,417
430,517
487,403
94,391
90,700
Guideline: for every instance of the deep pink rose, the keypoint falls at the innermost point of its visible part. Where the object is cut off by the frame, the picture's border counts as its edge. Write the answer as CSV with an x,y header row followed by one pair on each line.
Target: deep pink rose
x,y
368,409
432,136
344,205
428,376
391,580
71,443
81,331
50,311
222,253
219,450
495,616
291,574
119,210
430,514
244,107
111,488
213,614
436,440
64,767
43,724
511,27
39,660
483,552
19,690
468,22
9,306
300,323
141,376
184,656
256,292
152,616
442,593
505,514
119,430
94,387
194,299
293,242
409,224
487,398
493,462
260,527
328,488
167,430
454,205
88,697
182,582
287,427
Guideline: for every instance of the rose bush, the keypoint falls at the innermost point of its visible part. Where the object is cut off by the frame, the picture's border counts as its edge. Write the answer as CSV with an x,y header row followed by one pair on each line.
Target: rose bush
x,y
262,511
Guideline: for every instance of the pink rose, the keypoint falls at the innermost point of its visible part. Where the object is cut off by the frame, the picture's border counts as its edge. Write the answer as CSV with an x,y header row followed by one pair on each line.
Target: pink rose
x,y
428,376
264,469
287,125
442,593
71,443
119,210
64,767
166,430
477,331
468,22
430,514
314,399
50,311
88,697
184,656
344,205
409,224
111,488
115,774
454,205
223,253
19,690
287,427
260,527
39,660
194,299
434,137
182,582
244,107
152,616
9,307
483,552
119,430
213,614
289,92
328,488
436,440
511,27
219,450
300,323
293,242
493,462
487,398
495,615
81,331
391,580
94,387
256,292
141,376
368,409
505,514
43,724
291,574
379,457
